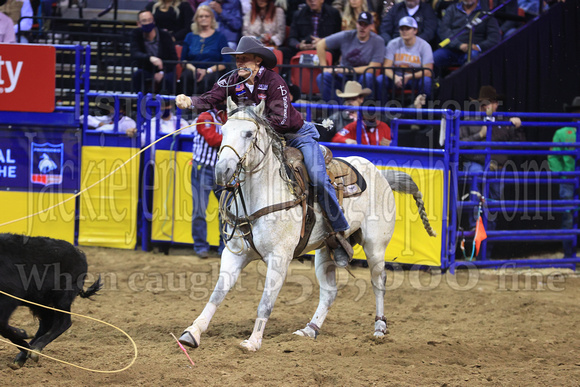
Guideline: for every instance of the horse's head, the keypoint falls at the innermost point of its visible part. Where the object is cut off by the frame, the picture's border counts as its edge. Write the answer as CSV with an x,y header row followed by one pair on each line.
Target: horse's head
x,y
243,140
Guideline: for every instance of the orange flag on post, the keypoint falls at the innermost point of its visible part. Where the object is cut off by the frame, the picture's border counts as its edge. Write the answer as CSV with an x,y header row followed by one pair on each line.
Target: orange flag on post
x,y
480,235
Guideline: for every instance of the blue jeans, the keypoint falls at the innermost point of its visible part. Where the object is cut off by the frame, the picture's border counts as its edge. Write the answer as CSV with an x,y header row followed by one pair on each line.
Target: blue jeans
x,y
329,82
202,183
567,193
495,193
445,57
306,140
385,86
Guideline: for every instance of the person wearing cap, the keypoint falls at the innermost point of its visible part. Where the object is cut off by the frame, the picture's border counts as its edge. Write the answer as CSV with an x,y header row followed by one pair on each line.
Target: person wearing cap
x,y
488,102
486,33
421,11
359,50
566,163
374,132
257,83
352,10
353,95
406,51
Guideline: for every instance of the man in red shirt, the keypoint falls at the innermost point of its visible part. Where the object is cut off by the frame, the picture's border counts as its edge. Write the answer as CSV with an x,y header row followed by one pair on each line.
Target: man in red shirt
x,y
374,132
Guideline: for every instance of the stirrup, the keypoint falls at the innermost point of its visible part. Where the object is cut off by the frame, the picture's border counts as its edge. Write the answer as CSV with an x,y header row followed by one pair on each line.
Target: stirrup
x,y
341,250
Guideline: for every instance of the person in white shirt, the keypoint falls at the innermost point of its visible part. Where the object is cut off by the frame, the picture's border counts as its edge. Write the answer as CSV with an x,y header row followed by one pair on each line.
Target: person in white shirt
x,y
106,123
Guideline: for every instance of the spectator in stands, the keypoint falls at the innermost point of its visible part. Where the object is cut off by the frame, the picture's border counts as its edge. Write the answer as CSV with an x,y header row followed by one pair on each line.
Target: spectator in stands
x,y
167,124
25,22
6,27
485,34
359,49
488,102
152,48
374,132
309,25
106,122
20,12
207,139
174,16
228,14
352,10
566,163
406,51
266,22
418,10
375,7
505,16
203,44
353,95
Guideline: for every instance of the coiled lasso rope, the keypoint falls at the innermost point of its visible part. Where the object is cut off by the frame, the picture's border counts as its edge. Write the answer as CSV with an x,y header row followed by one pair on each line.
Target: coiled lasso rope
x,y
76,314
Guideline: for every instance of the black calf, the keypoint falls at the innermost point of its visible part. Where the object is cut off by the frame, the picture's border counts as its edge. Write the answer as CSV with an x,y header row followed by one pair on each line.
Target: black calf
x,y
47,271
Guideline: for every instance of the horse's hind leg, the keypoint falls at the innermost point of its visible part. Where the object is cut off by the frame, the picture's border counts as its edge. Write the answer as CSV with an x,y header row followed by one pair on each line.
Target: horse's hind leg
x,y
275,276
375,256
231,266
326,275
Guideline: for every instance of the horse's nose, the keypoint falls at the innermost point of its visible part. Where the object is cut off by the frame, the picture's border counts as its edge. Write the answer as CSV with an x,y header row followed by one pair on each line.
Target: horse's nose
x,y
224,171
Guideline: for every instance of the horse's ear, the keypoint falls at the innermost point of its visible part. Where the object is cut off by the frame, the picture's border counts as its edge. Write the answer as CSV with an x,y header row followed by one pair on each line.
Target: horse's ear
x,y
231,105
260,108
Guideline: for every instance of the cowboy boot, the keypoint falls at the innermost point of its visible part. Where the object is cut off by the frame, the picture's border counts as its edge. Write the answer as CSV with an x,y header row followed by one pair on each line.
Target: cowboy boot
x,y
342,249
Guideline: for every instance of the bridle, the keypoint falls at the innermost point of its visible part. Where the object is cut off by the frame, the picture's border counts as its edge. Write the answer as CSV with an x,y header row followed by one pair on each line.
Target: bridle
x,y
242,159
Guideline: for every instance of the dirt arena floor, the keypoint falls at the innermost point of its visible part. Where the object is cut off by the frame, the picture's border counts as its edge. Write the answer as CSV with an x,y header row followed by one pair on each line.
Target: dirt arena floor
x,y
477,328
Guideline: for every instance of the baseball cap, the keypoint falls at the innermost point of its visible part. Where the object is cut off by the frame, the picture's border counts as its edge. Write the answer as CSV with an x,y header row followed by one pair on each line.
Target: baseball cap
x,y
365,17
408,21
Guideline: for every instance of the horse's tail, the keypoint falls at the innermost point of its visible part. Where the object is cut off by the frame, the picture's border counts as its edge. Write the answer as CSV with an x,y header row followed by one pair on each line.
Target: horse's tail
x,y
403,183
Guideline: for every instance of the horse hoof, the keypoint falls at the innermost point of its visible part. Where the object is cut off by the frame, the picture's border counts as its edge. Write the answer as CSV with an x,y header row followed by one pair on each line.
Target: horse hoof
x,y
191,339
306,332
247,344
379,334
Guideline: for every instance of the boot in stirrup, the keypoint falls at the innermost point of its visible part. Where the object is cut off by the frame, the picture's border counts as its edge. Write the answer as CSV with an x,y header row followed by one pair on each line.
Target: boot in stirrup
x,y
343,251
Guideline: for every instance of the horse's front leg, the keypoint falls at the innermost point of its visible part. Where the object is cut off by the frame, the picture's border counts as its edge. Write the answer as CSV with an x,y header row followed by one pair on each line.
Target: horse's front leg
x,y
275,276
231,266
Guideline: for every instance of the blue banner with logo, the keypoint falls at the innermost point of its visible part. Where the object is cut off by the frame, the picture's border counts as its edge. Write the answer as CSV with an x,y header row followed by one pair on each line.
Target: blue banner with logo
x,y
39,160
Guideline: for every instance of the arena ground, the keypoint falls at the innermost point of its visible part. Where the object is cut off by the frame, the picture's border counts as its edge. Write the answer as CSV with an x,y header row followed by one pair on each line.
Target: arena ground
x,y
475,328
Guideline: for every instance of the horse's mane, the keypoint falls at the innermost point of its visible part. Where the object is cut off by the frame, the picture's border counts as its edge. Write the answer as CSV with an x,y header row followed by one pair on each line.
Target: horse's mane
x,y
278,142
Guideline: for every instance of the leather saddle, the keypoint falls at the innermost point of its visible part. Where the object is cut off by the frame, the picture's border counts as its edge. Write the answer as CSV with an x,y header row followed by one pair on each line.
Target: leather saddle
x,y
345,178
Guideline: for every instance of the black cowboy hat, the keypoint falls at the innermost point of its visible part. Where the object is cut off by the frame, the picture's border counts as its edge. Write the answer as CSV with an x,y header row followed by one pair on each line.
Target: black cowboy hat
x,y
488,93
575,106
251,45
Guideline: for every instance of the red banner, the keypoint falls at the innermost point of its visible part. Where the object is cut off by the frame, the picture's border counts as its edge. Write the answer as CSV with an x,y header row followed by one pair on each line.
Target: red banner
x,y
27,78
